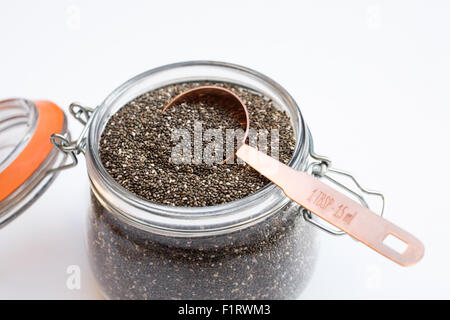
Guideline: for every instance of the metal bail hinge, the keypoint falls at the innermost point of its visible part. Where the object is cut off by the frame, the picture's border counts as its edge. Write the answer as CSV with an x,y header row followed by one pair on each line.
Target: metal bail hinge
x,y
63,142
321,168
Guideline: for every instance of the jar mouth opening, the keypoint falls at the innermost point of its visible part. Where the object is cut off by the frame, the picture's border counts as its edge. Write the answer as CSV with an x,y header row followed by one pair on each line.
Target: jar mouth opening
x,y
122,201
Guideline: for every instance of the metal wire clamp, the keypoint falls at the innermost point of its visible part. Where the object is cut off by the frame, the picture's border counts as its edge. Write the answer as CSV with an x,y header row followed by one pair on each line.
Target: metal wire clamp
x,y
321,168
63,142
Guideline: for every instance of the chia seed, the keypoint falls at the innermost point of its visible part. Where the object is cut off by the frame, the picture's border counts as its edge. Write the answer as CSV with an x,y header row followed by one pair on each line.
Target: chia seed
x,y
136,146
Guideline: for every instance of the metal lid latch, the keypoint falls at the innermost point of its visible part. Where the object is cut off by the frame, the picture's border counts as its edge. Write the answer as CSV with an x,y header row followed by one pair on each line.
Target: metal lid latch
x,y
63,142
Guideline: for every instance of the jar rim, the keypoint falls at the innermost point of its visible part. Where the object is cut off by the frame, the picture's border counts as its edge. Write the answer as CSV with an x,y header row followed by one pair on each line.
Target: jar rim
x,y
195,221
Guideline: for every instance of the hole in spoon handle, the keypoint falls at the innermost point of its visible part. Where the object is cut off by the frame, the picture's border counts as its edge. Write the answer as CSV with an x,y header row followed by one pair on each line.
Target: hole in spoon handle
x,y
335,207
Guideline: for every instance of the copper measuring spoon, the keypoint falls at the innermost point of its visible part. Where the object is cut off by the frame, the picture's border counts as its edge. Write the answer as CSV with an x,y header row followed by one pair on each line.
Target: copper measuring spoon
x,y
309,192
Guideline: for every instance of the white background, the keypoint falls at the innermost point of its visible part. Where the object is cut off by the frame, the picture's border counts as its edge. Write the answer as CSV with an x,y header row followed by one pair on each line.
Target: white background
x,y
372,79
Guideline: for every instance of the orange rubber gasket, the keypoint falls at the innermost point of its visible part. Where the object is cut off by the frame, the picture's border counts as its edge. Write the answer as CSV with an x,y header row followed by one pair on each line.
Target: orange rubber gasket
x,y
50,120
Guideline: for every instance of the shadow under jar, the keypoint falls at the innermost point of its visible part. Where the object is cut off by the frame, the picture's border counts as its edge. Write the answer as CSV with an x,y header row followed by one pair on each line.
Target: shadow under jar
x,y
257,247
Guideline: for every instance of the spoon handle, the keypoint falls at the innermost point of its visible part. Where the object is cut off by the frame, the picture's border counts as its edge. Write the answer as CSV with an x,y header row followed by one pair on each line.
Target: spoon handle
x,y
334,207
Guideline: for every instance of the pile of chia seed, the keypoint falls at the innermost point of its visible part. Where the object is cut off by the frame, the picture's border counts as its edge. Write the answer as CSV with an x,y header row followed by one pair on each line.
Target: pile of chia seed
x,y
136,145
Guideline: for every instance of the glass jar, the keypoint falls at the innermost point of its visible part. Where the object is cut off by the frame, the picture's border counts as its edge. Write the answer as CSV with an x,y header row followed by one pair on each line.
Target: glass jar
x,y
258,247
262,246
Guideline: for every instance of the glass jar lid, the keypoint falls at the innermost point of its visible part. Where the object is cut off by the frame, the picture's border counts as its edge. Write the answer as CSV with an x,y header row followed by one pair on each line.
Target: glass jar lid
x,y
27,156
